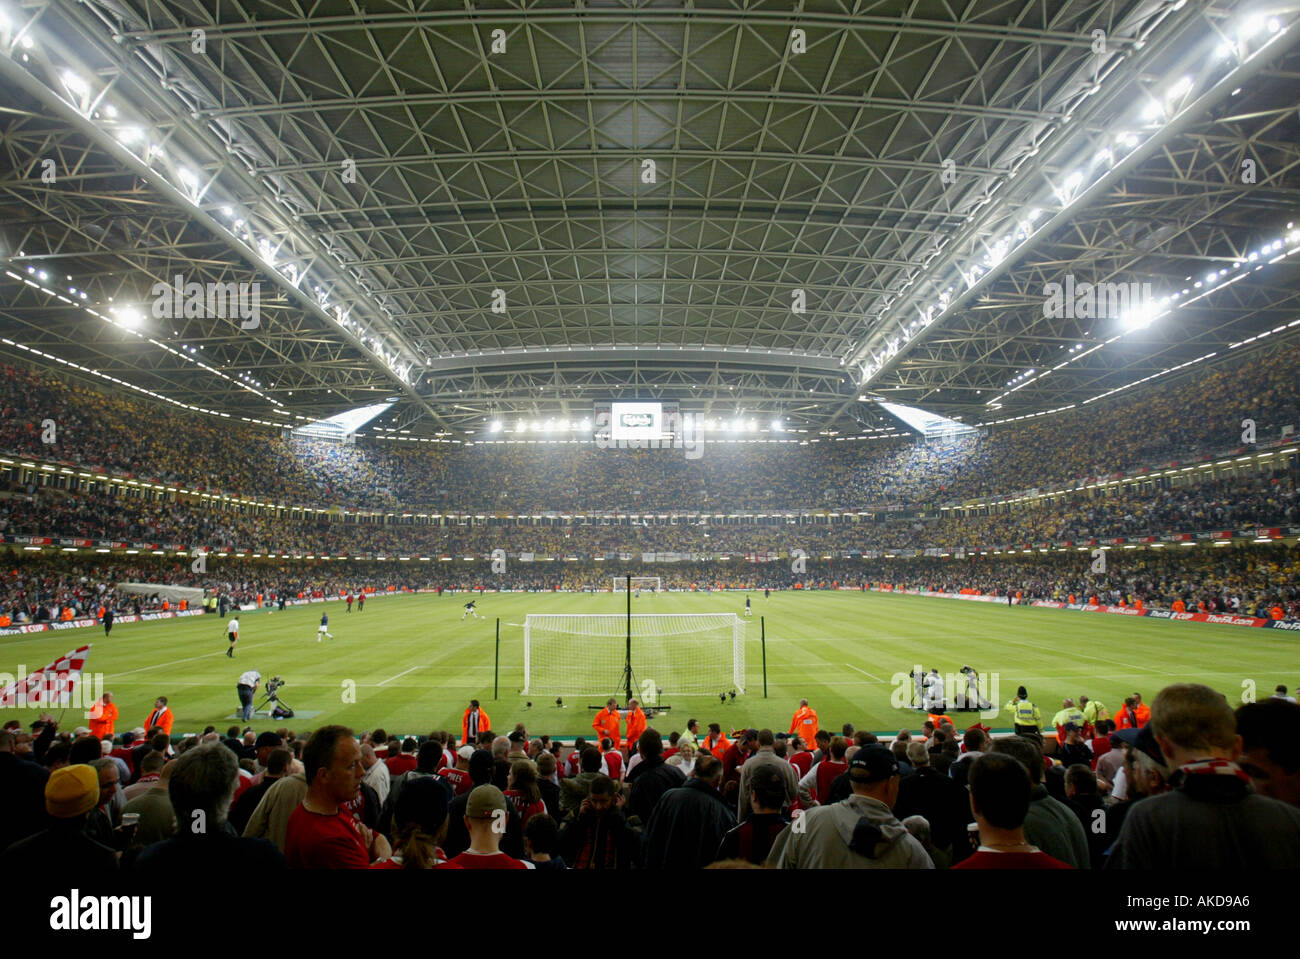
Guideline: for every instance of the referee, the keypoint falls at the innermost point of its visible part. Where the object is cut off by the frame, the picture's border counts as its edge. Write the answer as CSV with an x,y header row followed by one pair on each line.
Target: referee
x,y
247,689
1028,721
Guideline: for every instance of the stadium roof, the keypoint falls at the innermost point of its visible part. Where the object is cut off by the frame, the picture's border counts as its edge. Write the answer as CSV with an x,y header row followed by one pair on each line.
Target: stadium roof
x,y
505,212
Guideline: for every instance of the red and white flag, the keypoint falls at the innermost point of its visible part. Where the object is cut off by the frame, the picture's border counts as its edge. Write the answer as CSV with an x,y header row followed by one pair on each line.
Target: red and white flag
x,y
54,685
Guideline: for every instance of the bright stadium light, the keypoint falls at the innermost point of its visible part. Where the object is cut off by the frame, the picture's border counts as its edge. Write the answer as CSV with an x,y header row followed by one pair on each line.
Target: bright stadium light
x,y
75,84
129,317
776,426
496,426
1139,317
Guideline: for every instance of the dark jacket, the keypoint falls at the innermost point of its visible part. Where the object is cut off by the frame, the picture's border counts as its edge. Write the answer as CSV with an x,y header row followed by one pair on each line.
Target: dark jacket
x,y
218,851
1053,828
551,797
1208,822
64,848
595,841
390,803
686,827
752,839
22,798
648,781
944,804
1100,825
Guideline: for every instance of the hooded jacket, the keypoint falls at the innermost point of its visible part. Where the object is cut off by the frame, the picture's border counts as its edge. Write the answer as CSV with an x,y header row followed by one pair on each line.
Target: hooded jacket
x,y
878,839
687,827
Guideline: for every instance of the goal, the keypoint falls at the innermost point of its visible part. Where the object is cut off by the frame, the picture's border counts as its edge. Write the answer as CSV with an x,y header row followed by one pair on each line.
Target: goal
x,y
587,654
638,582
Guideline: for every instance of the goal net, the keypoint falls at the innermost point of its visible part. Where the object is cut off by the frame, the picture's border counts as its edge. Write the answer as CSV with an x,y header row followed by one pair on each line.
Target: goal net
x,y
680,653
638,582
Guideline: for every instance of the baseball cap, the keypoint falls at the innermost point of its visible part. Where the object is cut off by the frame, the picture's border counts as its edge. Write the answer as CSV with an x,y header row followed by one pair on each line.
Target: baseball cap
x,y
1143,740
465,752
872,764
71,791
484,801
266,740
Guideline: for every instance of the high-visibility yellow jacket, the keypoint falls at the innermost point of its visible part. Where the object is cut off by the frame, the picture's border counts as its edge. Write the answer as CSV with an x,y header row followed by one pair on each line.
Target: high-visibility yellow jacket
x,y
1026,713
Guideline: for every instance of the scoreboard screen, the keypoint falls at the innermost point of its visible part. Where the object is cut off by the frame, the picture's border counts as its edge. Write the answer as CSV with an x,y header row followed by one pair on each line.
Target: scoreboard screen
x,y
633,421
636,421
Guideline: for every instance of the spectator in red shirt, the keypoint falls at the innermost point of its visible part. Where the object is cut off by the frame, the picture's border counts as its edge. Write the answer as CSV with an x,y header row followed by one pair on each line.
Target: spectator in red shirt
x,y
574,763
458,775
522,790
404,761
740,750
1000,788
322,834
613,759
800,757
125,751
486,818
1101,741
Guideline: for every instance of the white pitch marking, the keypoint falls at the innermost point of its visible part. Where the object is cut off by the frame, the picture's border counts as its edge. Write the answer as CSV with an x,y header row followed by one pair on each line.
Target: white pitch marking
x,y
398,676
864,672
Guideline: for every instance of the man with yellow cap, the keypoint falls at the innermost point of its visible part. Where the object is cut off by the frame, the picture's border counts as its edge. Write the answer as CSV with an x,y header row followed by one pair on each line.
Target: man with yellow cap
x,y
71,793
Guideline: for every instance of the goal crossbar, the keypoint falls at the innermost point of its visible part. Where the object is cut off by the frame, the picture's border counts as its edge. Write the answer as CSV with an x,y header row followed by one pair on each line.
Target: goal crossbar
x,y
681,653
620,583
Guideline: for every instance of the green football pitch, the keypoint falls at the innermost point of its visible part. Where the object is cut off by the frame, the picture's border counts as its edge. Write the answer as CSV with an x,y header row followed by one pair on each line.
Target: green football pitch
x,y
410,663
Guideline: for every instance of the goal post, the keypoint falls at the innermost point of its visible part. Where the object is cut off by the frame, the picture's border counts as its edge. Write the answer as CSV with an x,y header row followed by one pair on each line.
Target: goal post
x,y
638,582
684,654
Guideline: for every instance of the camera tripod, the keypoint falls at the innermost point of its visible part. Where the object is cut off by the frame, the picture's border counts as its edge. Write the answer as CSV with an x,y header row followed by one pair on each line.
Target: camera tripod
x,y
271,699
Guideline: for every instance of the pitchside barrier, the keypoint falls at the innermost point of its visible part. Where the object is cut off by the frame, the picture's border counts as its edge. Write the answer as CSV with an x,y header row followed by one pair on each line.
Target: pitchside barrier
x,y
1228,619
87,621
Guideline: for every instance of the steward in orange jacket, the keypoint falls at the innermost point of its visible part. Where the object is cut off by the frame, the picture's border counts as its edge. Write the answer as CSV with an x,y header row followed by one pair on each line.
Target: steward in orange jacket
x,y
715,742
606,724
103,717
481,725
161,716
804,723
635,724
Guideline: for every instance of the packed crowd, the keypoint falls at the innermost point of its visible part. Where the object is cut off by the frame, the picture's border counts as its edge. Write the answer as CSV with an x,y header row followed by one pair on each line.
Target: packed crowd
x,y
1251,580
1185,783
1240,503
1183,419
